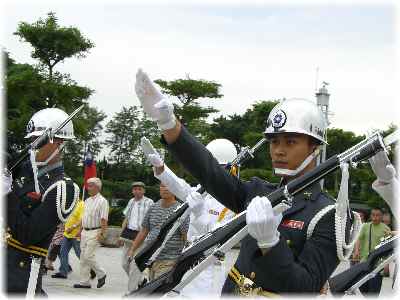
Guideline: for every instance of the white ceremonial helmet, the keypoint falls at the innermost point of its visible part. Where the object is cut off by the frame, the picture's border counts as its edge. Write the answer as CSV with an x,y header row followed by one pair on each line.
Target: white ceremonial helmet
x,y
223,150
50,118
297,116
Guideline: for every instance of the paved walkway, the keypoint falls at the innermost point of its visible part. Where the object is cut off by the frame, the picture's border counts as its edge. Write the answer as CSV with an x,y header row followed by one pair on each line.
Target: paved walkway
x,y
117,281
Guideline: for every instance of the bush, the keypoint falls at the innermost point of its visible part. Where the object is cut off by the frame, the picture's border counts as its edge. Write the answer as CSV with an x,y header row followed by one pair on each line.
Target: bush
x,y
115,216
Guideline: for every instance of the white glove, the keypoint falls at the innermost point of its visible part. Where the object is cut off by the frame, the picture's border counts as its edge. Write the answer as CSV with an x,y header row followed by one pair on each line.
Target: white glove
x,y
382,167
151,153
262,222
7,182
153,102
196,203
155,160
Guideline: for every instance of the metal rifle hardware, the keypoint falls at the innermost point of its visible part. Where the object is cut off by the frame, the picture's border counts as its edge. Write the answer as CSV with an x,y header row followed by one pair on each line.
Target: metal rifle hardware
x,y
348,281
288,197
210,259
149,253
194,253
48,134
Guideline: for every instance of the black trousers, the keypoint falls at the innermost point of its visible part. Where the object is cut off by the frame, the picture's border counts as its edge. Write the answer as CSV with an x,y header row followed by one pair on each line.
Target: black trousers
x,y
18,271
372,286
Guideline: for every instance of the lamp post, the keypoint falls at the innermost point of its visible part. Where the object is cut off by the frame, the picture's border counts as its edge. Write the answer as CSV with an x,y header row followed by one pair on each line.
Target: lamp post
x,y
323,103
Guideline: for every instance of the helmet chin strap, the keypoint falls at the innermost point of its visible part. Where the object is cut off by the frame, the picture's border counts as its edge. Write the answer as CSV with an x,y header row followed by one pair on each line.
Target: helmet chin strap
x,y
300,168
35,164
55,152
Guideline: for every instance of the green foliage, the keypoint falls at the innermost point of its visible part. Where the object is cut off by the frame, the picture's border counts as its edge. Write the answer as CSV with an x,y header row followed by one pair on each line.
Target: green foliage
x,y
189,91
247,174
52,43
246,130
115,216
125,131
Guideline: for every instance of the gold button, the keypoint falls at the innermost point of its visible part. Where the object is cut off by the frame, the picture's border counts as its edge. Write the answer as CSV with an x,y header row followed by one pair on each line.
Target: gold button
x,y
252,275
21,264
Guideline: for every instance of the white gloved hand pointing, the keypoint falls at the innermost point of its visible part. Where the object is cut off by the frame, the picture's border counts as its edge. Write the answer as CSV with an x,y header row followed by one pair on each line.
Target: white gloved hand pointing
x,y
262,222
151,153
153,102
382,167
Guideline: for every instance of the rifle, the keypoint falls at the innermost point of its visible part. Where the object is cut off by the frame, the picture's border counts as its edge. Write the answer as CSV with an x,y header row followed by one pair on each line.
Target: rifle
x,y
348,281
192,255
147,255
46,136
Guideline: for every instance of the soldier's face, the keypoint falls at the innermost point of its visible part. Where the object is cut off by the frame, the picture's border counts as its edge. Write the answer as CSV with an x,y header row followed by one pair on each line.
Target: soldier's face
x,y
43,153
288,151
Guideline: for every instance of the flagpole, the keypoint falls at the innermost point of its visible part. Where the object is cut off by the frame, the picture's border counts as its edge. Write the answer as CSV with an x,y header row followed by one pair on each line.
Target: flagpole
x,y
84,158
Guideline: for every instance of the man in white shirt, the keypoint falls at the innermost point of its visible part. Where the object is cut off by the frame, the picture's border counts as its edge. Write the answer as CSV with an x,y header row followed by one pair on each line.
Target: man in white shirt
x,y
93,229
134,214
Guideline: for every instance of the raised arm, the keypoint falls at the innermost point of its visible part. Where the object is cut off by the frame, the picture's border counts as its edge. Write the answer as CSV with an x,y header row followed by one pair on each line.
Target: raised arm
x,y
187,150
176,185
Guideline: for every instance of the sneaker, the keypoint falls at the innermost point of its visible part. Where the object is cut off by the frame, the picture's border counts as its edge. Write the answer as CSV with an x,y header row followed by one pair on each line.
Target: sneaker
x,y
81,286
59,275
101,281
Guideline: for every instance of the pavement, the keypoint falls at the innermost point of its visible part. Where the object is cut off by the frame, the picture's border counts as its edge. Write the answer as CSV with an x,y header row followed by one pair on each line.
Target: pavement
x,y
117,280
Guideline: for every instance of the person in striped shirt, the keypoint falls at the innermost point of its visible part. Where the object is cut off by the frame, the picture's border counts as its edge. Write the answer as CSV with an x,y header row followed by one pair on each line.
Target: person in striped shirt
x,y
134,214
155,217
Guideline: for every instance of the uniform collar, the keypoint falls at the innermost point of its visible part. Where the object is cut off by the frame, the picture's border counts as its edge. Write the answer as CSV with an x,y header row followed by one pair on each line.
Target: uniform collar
x,y
311,193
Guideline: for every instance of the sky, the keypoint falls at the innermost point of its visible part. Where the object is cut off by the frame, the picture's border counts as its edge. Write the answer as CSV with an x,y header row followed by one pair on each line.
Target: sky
x,y
257,50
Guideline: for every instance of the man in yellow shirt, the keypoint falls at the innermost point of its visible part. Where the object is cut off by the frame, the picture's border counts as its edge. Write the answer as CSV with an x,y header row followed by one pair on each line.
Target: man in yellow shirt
x,y
70,240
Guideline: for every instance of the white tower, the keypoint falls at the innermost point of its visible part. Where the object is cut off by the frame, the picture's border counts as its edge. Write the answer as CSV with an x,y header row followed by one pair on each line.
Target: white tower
x,y
323,100
323,103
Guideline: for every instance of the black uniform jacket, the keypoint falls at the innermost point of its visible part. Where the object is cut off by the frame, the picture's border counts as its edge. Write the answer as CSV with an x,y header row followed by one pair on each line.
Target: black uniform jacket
x,y
32,220
295,264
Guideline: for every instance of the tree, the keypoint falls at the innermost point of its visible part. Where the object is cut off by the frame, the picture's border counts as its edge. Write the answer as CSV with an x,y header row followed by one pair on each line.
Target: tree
x,y
52,43
126,129
23,85
189,92
246,129
88,128
32,88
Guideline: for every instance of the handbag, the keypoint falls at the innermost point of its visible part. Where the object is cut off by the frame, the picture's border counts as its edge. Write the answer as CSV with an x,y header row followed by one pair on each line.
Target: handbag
x,y
129,234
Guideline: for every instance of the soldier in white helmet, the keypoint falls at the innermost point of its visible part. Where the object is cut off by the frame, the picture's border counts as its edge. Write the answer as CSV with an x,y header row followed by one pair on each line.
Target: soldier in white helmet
x,y
291,252
206,212
40,197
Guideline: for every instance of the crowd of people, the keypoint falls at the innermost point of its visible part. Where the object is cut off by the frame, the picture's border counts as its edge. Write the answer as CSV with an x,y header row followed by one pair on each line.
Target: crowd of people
x,y
292,247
